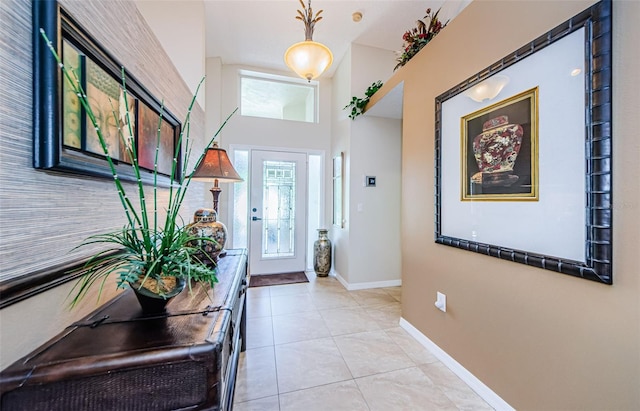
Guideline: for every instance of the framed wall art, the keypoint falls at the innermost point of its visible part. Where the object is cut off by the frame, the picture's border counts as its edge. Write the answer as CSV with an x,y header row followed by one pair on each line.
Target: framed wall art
x,y
64,140
499,155
523,172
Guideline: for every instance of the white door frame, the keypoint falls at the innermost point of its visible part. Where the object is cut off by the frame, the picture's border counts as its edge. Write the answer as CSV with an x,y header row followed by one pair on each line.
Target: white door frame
x,y
312,224
294,237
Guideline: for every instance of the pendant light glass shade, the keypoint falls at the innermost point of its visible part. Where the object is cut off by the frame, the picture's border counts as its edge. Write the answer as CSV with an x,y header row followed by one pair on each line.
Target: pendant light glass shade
x,y
308,59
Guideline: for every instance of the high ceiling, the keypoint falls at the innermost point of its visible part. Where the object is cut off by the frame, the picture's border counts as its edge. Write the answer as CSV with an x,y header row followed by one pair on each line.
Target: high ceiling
x,y
257,32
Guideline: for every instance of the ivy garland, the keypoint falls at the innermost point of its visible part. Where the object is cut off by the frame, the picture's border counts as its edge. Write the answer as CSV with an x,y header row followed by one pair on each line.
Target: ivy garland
x,y
357,105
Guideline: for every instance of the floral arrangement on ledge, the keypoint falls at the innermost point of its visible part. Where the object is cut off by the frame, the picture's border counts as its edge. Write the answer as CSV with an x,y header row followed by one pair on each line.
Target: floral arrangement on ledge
x,y
358,104
418,37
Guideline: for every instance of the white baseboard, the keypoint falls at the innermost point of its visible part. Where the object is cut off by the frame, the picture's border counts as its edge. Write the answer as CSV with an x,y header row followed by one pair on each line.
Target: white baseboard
x,y
367,285
478,386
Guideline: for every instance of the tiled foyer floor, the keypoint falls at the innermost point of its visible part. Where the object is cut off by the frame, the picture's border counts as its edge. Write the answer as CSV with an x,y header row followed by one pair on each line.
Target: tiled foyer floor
x,y
316,346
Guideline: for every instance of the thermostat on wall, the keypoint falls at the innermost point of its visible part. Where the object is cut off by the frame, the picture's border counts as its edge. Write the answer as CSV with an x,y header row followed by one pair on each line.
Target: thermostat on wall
x,y
370,181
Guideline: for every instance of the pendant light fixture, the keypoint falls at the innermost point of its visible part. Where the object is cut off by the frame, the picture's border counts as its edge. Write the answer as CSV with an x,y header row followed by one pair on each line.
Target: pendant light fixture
x,y
309,59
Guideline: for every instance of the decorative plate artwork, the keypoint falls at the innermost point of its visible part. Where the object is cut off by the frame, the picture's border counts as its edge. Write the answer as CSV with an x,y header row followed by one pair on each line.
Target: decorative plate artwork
x,y
496,151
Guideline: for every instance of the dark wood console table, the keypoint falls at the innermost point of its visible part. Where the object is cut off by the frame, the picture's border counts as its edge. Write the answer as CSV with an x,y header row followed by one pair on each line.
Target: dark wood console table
x,y
118,359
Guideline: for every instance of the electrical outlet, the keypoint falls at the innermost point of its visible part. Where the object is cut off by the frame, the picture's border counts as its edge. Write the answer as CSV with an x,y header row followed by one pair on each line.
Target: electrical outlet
x,y
441,302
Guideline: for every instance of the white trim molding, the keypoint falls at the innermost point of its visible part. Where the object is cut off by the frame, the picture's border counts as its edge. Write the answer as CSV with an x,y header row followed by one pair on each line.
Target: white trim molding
x,y
366,285
471,380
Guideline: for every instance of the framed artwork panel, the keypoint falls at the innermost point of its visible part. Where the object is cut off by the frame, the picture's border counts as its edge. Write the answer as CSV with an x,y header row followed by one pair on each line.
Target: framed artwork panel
x,y
499,155
103,94
64,139
155,131
541,140
73,123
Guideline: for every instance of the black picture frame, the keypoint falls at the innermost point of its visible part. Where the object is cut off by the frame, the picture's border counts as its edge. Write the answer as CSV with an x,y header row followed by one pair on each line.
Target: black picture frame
x,y
52,149
597,22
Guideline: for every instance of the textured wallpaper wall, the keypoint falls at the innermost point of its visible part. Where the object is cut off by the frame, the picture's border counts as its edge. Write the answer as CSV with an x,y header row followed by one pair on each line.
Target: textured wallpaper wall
x,y
43,215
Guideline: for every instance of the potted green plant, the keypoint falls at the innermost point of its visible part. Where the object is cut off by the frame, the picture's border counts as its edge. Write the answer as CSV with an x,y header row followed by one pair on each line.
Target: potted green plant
x,y
154,255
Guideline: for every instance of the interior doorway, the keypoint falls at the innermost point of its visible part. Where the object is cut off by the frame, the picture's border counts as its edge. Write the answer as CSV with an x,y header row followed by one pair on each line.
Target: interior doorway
x,y
240,203
277,211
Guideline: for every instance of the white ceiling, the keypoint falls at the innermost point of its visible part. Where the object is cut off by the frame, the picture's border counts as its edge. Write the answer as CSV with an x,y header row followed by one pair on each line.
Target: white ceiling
x,y
257,32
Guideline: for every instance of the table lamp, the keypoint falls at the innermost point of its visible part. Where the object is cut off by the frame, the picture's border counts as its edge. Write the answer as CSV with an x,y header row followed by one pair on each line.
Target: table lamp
x,y
216,166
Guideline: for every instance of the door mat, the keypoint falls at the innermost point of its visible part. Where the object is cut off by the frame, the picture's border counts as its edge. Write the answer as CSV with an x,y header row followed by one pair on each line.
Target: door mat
x,y
277,279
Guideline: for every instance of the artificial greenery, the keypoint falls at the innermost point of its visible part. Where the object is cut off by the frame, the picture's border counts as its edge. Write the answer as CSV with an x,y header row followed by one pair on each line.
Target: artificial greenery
x,y
145,248
418,37
358,104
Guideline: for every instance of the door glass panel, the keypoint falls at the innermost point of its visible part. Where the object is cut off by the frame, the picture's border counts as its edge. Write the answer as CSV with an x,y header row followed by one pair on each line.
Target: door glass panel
x,y
279,209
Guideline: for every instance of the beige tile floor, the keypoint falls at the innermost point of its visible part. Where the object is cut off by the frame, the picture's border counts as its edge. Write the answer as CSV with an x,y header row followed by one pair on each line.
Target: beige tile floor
x,y
316,346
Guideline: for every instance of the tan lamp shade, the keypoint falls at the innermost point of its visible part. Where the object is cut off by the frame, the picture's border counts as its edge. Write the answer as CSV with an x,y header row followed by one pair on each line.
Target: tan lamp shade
x,y
216,165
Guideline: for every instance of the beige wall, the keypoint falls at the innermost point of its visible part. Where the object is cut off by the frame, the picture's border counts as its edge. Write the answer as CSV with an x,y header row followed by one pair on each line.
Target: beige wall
x,y
539,339
374,212
341,126
371,146
176,24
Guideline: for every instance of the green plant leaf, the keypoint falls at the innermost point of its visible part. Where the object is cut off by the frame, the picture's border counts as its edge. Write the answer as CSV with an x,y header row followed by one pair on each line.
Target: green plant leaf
x,y
358,104
142,248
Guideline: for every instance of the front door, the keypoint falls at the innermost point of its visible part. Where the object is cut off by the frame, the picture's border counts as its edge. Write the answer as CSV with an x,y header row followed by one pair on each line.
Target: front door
x,y
277,212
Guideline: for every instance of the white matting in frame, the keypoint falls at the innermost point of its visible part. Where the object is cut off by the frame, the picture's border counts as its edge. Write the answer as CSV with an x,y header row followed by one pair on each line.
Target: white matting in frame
x,y
555,224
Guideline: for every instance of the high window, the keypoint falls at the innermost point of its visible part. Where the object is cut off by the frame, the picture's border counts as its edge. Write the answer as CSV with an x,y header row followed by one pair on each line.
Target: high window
x,y
278,97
